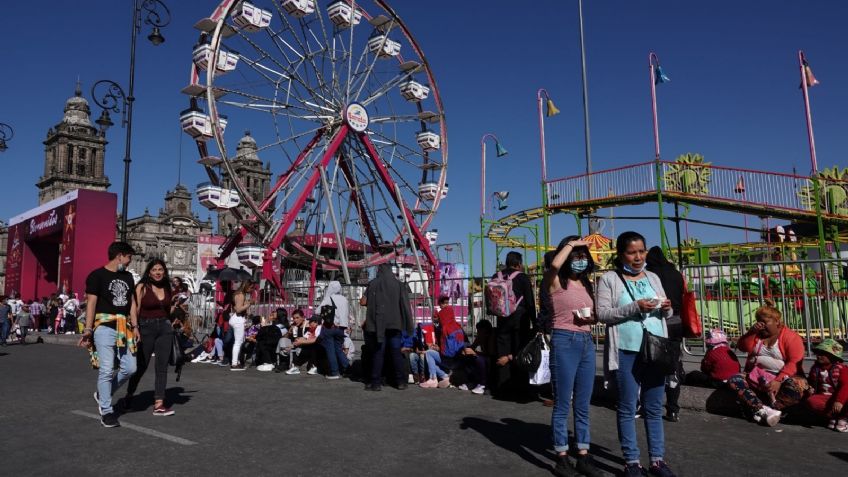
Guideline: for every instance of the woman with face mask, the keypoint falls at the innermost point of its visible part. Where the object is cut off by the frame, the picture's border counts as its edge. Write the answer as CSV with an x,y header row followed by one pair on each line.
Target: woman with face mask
x,y
571,306
631,301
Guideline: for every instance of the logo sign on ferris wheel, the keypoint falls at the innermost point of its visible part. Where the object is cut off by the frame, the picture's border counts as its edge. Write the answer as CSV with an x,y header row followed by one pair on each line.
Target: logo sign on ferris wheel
x,y
356,117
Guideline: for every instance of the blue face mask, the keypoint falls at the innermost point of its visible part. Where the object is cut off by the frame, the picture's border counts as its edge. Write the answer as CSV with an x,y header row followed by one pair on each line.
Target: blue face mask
x,y
633,271
578,266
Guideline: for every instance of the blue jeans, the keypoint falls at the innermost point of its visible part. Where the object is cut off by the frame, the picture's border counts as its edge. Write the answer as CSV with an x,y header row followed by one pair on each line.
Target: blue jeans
x,y
630,376
572,372
332,339
434,360
416,363
4,331
104,341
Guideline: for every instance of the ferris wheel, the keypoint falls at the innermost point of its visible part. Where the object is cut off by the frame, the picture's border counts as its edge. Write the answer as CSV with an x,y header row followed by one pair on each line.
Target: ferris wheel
x,y
346,107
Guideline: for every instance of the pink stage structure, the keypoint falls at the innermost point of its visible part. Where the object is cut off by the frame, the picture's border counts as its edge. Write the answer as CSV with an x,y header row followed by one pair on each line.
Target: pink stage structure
x,y
54,246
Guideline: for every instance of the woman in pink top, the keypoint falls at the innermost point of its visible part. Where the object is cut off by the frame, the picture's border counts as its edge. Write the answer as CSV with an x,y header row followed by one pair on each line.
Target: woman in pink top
x,y
570,299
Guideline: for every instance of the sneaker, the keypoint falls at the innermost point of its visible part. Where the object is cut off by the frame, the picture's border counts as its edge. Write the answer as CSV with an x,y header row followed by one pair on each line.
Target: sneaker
x,y
410,379
110,420
586,466
831,424
97,400
841,426
312,371
265,367
126,403
444,383
223,364
639,413
479,389
199,359
430,383
564,468
237,367
659,469
333,377
633,470
672,416
293,371
462,387
163,411
768,416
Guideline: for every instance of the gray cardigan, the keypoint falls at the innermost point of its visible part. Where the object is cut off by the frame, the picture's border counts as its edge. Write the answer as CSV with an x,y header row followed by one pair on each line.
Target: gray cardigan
x,y
607,295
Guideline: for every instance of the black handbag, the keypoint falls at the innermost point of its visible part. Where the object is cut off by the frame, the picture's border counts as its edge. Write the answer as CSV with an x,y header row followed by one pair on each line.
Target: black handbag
x,y
656,351
530,356
177,358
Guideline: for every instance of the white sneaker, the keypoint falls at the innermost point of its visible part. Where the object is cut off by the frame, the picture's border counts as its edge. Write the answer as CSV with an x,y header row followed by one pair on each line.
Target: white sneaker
x,y
462,387
312,371
770,416
265,367
410,380
293,371
479,389
200,358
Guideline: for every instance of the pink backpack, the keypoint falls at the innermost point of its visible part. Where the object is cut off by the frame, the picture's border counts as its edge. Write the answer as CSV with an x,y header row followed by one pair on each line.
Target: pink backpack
x,y
500,297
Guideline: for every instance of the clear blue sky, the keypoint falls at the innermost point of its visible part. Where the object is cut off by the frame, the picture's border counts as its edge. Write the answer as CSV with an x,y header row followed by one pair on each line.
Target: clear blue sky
x,y
733,96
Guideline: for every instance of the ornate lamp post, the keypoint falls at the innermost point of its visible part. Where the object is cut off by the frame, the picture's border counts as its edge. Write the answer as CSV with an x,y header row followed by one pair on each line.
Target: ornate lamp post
x,y
156,14
549,110
6,134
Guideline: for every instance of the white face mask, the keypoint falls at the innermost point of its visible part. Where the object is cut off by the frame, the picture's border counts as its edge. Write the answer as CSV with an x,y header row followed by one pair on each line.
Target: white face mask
x,y
122,267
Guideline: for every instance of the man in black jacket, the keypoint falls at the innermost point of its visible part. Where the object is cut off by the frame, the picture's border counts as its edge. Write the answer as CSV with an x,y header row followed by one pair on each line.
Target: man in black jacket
x,y
513,332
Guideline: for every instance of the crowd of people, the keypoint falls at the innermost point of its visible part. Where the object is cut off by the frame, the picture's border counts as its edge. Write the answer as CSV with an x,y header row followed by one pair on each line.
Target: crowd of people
x,y
57,314
639,302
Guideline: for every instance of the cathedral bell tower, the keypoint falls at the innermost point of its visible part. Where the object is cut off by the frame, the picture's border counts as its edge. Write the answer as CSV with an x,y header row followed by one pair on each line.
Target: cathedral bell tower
x,y
253,174
74,152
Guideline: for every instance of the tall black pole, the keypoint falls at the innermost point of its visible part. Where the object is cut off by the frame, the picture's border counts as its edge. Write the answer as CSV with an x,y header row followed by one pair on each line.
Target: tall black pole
x,y
130,99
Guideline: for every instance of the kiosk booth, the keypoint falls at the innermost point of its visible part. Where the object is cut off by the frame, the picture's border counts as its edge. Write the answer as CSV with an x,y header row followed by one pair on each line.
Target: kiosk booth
x,y
53,247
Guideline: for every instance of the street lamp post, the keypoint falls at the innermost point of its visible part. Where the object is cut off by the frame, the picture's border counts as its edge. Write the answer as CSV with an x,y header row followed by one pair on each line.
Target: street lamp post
x,y
656,75
157,15
550,110
500,152
6,134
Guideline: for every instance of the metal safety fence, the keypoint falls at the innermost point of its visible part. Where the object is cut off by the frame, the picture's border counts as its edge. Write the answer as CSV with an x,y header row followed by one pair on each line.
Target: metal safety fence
x,y
812,296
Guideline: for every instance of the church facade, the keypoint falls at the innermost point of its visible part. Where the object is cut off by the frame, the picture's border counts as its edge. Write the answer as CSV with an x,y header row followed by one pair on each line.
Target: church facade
x,y
74,158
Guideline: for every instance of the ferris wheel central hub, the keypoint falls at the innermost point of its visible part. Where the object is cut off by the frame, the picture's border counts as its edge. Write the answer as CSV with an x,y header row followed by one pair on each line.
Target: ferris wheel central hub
x,y
356,117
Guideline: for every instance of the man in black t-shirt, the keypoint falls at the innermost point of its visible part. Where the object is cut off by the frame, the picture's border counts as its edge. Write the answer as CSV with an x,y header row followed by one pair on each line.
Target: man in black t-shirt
x,y
110,324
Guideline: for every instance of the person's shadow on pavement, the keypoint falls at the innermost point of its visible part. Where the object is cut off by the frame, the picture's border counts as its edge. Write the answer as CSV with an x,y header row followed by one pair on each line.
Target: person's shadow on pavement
x,y
176,396
527,440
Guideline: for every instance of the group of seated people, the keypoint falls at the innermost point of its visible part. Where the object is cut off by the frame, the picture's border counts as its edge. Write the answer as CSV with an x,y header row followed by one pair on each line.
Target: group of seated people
x,y
274,344
773,379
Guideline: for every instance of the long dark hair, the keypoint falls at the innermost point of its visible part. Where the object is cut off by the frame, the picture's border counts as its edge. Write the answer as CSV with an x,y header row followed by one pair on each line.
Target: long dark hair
x,y
565,270
146,281
621,243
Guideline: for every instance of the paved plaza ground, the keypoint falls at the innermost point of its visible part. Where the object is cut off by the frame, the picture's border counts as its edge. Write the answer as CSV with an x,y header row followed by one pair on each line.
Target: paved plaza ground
x,y
253,423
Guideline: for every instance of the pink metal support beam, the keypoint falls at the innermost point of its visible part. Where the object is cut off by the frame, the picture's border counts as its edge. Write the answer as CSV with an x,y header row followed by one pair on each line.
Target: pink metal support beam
x,y
423,243
291,214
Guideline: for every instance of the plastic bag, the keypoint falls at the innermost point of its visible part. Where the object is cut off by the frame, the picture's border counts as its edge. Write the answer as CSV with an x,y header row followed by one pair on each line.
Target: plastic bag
x,y
543,372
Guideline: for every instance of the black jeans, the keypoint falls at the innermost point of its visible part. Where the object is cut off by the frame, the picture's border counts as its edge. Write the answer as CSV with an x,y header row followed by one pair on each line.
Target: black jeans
x,y
157,335
392,341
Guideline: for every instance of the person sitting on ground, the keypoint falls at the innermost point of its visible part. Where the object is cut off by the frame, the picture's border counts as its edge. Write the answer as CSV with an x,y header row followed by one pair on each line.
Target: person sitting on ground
x,y
249,349
413,348
267,340
774,368
450,349
284,345
213,349
348,347
720,362
485,350
828,379
310,351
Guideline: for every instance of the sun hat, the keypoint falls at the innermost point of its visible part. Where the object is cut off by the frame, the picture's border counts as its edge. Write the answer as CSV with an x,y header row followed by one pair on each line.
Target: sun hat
x,y
831,347
715,337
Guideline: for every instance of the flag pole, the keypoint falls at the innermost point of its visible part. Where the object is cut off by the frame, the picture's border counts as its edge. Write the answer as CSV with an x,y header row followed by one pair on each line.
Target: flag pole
x,y
802,61
653,61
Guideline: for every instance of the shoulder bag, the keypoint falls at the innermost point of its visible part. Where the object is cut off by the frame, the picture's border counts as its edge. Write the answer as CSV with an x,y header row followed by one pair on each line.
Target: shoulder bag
x,y
656,351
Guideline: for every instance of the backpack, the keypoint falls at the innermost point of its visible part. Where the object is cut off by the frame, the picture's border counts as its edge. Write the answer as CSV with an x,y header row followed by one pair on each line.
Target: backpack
x,y
328,313
454,343
500,296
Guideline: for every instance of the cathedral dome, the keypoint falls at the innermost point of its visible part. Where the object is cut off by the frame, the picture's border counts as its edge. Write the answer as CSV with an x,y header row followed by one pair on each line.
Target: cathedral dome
x,y
246,149
77,111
